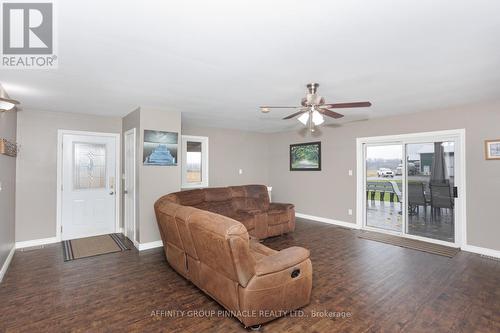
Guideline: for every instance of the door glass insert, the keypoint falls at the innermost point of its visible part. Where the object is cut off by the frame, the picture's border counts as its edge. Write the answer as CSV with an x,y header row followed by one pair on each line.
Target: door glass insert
x,y
194,161
384,190
431,180
89,170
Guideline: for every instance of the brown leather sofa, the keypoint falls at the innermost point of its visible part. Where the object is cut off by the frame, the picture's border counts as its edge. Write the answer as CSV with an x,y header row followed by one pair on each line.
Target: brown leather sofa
x,y
253,282
248,204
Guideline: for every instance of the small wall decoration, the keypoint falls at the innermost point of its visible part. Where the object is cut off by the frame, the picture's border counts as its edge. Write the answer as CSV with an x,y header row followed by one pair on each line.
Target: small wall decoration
x,y
492,149
8,148
305,156
160,148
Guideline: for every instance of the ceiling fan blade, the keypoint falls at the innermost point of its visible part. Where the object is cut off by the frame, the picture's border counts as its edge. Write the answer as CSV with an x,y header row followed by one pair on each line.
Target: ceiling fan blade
x,y
279,107
294,114
330,113
347,105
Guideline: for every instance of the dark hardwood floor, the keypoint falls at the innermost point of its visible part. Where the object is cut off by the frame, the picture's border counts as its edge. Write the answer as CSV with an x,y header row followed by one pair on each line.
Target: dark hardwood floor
x,y
378,288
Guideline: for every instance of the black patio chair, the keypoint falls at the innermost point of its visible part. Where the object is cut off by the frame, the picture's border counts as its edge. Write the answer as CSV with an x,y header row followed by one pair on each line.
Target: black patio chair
x,y
441,197
417,198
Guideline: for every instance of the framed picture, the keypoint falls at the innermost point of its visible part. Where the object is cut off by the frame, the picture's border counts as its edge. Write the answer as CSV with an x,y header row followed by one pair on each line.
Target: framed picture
x,y
492,149
160,148
305,156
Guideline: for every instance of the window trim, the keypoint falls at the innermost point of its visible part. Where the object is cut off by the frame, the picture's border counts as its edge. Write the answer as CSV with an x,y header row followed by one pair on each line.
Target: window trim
x,y
204,161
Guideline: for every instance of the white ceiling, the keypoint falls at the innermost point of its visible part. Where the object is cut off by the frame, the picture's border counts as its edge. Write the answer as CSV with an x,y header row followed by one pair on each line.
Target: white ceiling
x,y
217,61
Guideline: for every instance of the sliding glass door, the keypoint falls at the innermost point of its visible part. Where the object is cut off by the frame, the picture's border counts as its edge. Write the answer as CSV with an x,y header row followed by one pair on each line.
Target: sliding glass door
x,y
430,180
384,193
411,187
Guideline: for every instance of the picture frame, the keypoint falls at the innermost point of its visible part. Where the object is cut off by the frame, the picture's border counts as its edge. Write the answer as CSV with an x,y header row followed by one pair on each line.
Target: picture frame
x,y
160,148
492,149
305,156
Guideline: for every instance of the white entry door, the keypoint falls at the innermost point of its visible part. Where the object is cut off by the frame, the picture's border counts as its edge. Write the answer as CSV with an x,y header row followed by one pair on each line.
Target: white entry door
x,y
88,185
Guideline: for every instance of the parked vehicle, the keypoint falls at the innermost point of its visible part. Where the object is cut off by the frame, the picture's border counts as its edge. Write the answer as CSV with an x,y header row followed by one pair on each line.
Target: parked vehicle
x,y
412,169
385,172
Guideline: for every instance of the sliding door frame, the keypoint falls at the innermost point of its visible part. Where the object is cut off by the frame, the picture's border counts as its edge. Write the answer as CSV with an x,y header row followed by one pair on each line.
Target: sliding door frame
x,y
457,135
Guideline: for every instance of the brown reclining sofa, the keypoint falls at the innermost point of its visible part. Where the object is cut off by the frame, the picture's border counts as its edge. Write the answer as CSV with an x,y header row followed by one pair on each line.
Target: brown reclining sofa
x,y
255,283
247,204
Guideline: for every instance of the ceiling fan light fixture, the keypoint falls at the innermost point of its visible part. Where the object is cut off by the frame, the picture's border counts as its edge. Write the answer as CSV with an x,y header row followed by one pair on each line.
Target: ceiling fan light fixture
x,y
317,118
304,118
6,106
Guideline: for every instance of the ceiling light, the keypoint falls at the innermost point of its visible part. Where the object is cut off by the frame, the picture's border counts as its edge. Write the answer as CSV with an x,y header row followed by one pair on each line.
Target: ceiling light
x,y
317,118
6,103
264,110
304,118
7,106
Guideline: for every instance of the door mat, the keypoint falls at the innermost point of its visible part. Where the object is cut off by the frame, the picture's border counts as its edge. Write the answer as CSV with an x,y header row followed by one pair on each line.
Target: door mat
x,y
414,244
93,246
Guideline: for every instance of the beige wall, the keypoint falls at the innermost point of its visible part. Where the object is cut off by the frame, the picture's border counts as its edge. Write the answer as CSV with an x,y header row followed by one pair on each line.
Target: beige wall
x,y
231,150
331,192
155,181
8,192
37,166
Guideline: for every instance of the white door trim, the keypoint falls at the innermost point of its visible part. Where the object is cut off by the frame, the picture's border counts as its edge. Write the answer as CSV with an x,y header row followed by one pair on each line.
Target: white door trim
x,y
457,134
60,134
133,132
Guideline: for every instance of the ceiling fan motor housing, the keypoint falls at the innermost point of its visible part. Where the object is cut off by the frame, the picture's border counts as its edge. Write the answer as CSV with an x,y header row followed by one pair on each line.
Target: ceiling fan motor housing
x,y
312,98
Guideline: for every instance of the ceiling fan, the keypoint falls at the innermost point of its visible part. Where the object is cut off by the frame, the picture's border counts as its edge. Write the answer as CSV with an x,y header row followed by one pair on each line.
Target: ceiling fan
x,y
6,103
313,108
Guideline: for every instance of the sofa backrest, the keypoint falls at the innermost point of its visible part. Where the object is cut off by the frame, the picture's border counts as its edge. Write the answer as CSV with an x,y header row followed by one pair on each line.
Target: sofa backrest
x,y
250,197
222,244
213,240
225,200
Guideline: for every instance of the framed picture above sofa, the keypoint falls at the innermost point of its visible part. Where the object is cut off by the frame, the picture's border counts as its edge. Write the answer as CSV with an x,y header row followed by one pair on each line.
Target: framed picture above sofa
x,y
305,156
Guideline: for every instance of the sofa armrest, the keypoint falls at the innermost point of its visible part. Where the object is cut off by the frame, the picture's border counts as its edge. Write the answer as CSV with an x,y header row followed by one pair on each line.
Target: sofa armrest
x,y
282,260
280,206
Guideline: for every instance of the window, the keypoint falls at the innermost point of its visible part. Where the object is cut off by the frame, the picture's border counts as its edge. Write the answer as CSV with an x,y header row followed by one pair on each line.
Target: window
x,y
194,161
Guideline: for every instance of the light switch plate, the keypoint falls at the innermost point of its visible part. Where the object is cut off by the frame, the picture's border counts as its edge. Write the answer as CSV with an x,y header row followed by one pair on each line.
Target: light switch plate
x,y
350,172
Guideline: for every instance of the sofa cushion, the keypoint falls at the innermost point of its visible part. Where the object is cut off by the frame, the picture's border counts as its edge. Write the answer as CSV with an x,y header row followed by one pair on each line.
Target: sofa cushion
x,y
244,217
217,194
277,208
190,198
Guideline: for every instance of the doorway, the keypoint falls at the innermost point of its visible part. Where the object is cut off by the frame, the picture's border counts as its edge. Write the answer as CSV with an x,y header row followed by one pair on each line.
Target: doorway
x,y
130,185
413,185
88,196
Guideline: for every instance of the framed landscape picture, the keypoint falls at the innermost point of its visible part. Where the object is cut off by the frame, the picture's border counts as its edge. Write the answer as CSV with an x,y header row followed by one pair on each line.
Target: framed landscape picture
x,y
305,156
492,149
160,148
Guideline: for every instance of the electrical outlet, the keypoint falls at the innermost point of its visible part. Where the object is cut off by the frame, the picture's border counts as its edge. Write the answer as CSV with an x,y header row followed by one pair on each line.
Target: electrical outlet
x,y
240,171
349,211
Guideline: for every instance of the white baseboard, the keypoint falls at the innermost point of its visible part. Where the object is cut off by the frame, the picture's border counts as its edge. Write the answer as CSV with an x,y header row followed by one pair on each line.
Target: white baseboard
x,y
329,221
481,250
36,242
6,264
150,245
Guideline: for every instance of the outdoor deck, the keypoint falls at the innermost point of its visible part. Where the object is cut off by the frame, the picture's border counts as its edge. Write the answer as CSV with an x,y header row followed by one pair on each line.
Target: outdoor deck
x,y
387,215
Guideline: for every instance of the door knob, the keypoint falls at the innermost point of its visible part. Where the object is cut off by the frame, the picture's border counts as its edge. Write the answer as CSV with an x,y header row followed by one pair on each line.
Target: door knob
x,y
111,193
